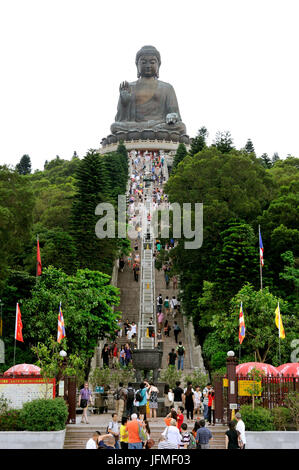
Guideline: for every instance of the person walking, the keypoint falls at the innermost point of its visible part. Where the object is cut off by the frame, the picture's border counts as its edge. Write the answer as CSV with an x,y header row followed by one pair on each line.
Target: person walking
x,y
241,428
105,355
153,392
188,399
178,395
172,358
133,426
84,400
174,282
173,306
172,435
166,305
159,303
203,436
136,271
197,401
180,350
159,340
211,408
167,328
160,316
232,436
176,331
113,428
142,401
128,354
120,397
130,408
168,398
115,355
206,400
122,356
123,433
180,416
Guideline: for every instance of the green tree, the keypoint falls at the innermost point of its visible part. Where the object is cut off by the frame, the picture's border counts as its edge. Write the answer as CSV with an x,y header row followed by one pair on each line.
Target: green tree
x,y
88,302
16,204
24,166
266,161
224,141
249,147
199,142
92,188
180,155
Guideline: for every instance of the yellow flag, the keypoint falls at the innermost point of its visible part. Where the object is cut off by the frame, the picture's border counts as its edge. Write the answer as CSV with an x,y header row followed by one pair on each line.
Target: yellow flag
x,y
278,323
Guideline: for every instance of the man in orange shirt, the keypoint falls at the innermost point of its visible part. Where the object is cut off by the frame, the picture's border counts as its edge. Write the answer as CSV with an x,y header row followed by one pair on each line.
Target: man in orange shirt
x,y
133,431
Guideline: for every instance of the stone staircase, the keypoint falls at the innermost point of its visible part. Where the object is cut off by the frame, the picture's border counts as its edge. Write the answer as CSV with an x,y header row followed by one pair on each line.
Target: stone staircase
x,y
77,435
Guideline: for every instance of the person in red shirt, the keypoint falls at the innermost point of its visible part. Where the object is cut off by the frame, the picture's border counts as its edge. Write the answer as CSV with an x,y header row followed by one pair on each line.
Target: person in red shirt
x,y
180,417
211,397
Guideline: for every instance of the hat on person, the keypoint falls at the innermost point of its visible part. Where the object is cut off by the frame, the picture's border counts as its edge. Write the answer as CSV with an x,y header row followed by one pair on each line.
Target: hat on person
x,y
238,415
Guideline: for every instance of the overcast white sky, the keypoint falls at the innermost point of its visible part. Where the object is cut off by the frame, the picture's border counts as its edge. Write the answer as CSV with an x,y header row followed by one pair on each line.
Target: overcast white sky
x,y
233,65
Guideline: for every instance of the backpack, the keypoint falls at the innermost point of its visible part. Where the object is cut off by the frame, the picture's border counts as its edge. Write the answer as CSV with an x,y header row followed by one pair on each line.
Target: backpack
x,y
117,394
192,443
160,300
130,395
180,350
138,396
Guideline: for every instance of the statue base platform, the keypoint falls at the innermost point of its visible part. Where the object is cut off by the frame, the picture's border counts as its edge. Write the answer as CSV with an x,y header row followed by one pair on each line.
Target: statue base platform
x,y
150,145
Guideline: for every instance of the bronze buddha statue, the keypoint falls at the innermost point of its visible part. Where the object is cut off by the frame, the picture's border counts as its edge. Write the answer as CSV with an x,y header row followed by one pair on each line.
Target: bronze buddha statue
x,y
148,103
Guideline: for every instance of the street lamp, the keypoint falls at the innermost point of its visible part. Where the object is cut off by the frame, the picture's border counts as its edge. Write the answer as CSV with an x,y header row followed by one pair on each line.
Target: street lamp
x,y
230,354
63,353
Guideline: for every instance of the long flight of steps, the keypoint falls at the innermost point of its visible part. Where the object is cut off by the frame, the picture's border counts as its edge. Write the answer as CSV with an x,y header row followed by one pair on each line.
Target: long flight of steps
x,y
77,435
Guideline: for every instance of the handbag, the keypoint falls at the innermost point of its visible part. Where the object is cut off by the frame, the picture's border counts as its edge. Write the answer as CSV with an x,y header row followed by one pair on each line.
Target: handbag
x,y
83,403
171,396
150,443
142,433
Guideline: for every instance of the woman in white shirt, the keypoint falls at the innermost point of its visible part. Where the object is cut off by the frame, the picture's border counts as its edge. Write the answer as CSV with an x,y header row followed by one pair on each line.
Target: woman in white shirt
x,y
197,401
172,435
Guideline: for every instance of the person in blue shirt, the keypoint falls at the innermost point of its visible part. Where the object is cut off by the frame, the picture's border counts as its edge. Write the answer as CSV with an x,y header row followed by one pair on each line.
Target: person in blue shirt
x,y
144,386
203,436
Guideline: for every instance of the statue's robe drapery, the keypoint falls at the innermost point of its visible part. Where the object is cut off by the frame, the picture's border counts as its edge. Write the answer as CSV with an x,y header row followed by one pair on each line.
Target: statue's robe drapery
x,y
137,110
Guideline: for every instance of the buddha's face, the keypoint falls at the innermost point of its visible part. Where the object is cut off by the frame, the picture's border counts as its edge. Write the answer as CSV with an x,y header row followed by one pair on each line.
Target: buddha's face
x,y
148,66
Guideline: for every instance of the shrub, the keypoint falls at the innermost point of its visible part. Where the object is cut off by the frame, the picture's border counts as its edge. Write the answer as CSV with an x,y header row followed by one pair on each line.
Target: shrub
x,y
257,419
292,402
10,420
197,378
44,414
171,375
281,418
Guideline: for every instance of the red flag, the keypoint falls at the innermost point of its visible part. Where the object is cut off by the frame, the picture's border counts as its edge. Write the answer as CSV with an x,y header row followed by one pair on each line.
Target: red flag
x,y
39,261
19,325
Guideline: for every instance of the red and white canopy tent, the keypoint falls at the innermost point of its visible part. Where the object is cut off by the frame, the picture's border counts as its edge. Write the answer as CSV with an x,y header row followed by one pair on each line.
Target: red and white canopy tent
x,y
22,369
244,369
291,368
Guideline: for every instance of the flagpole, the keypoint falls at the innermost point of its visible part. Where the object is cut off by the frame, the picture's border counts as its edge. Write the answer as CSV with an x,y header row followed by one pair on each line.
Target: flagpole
x,y
37,239
279,320
14,354
261,268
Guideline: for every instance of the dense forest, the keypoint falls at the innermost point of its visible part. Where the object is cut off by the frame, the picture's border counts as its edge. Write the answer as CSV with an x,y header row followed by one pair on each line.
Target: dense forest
x,y
57,206
239,192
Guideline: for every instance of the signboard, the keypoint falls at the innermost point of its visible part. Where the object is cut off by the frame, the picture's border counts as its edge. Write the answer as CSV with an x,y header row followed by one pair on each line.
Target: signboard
x,y
99,389
233,406
245,385
232,387
225,382
21,390
61,388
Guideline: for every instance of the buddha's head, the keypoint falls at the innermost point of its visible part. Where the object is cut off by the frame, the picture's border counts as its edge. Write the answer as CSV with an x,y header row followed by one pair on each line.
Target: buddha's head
x,y
148,61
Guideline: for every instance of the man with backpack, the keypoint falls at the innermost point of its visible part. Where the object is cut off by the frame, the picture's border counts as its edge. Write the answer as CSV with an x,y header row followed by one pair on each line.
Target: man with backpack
x,y
113,428
181,354
130,408
120,397
159,303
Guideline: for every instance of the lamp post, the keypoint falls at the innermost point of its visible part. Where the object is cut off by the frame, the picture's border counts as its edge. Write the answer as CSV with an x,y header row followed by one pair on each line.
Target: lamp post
x,y
232,392
69,389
